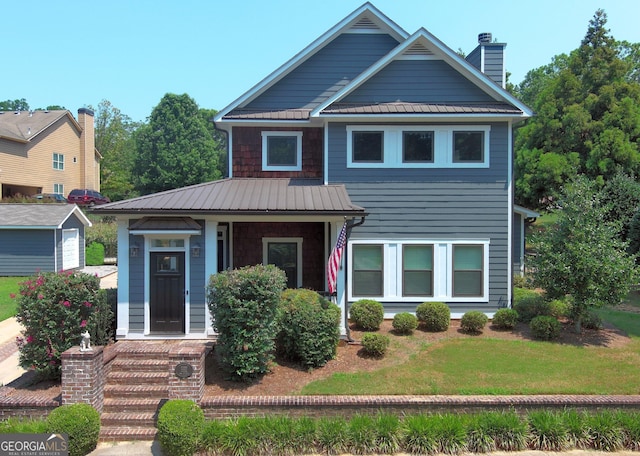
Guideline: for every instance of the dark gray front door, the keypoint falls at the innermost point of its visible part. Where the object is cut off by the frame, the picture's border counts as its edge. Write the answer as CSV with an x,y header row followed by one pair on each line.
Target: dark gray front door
x,y
167,292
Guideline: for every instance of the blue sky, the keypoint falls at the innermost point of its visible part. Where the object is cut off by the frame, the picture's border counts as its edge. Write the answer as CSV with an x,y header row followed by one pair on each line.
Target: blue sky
x,y
77,53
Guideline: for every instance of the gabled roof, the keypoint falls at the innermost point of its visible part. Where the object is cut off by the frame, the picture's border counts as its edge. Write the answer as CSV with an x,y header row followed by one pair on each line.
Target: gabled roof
x,y
38,216
366,16
243,196
424,43
23,126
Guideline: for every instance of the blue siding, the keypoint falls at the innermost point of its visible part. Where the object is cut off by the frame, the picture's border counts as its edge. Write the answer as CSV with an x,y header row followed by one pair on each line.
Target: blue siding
x,y
24,252
197,285
326,72
426,81
494,63
136,286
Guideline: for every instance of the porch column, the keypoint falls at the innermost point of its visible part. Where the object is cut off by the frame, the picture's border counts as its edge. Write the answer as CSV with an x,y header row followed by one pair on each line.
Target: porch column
x,y
210,263
122,327
341,295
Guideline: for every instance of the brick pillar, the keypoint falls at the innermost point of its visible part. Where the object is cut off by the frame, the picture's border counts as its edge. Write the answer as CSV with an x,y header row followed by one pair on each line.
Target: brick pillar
x,y
187,371
83,377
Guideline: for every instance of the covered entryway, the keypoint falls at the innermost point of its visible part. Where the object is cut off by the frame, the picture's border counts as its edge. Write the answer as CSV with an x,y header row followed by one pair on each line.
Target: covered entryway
x,y
167,285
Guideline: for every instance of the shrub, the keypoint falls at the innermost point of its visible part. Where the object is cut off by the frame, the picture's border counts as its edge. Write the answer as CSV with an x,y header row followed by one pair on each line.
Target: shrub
x,y
521,293
405,322
418,436
548,432
387,434
545,327
508,430
473,322
605,432
104,230
54,309
630,423
435,316
244,306
559,308
530,307
367,314
180,426
80,422
332,435
309,328
375,344
450,433
577,429
592,320
362,434
505,319
23,426
480,439
94,254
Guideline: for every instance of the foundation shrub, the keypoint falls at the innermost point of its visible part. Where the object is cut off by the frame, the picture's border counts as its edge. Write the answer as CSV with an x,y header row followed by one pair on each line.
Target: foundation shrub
x,y
244,306
473,322
405,322
559,308
523,292
54,309
180,427
545,327
309,328
505,319
375,344
367,314
434,316
592,320
529,307
80,422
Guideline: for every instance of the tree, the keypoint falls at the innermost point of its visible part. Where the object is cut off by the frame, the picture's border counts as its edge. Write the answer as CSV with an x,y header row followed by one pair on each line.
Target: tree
x,y
14,105
114,140
581,255
219,137
622,195
587,118
175,148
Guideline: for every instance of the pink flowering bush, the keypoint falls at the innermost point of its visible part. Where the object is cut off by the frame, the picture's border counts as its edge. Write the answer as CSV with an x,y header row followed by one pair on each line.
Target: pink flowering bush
x,y
54,309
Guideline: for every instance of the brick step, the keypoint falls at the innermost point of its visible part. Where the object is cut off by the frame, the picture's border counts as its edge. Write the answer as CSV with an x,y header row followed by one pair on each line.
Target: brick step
x,y
116,405
137,378
135,419
127,433
137,391
122,363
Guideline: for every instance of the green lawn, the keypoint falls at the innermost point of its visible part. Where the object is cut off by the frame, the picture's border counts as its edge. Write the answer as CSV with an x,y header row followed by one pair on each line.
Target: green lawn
x,y
9,285
492,366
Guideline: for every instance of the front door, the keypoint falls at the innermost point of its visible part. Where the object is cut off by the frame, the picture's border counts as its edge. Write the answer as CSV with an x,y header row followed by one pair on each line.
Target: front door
x,y
167,292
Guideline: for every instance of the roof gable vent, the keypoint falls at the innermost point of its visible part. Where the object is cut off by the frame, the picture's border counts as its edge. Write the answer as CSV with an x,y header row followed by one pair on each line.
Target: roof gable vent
x,y
364,23
418,49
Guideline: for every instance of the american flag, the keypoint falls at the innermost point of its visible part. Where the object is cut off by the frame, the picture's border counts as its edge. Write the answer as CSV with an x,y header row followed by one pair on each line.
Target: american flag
x,y
334,259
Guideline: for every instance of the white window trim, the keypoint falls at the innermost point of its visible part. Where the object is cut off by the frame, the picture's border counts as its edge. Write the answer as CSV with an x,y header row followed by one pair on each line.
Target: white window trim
x,y
392,252
58,189
297,240
265,149
59,161
442,146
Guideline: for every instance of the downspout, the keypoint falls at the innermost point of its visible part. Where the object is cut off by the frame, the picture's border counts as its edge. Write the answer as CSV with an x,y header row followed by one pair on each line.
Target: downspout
x,y
350,226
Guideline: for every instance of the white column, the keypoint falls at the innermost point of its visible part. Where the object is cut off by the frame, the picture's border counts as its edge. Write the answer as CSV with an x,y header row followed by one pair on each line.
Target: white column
x,y
210,264
122,327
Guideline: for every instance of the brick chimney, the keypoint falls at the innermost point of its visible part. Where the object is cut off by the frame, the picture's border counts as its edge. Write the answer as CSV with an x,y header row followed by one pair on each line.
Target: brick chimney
x,y
488,57
90,178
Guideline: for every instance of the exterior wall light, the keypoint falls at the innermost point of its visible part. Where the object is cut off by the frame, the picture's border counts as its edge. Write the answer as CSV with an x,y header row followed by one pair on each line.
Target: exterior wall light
x,y
195,250
134,249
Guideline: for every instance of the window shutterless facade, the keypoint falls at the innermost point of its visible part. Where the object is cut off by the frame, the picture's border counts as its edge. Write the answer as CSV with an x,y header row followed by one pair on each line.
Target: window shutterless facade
x,y
282,151
419,270
58,188
418,146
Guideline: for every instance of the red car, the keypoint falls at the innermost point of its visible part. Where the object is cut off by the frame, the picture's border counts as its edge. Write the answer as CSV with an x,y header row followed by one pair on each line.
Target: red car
x,y
86,197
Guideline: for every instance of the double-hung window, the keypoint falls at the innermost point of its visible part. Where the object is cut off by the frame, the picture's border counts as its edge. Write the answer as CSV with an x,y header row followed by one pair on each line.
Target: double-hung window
x,y
282,151
419,270
418,146
58,161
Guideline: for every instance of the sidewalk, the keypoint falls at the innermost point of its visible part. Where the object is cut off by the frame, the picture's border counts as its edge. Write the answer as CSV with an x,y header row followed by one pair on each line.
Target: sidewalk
x,y
10,328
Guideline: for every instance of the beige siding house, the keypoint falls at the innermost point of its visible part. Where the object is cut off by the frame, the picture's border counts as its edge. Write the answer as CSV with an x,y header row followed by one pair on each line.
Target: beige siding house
x,y
47,152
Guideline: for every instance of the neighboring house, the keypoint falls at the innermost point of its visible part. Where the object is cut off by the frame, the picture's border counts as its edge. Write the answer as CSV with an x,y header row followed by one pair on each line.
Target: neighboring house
x,y
393,133
41,237
47,152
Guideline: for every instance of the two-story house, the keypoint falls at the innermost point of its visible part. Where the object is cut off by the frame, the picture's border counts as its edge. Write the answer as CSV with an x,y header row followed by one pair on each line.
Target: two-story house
x,y
47,152
392,133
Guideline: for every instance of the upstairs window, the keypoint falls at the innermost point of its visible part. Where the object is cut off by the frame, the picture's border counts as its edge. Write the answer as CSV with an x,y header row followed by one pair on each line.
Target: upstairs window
x,y
282,151
468,146
368,147
58,161
418,146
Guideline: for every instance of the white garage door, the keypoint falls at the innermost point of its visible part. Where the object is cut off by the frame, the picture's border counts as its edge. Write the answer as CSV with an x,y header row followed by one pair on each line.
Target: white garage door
x,y
70,249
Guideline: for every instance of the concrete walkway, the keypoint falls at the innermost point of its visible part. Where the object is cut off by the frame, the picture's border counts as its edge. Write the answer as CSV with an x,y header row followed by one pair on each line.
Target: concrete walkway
x,y
10,329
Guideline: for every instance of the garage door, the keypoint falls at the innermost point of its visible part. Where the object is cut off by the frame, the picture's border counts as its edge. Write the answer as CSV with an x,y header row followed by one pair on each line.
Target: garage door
x,y
70,249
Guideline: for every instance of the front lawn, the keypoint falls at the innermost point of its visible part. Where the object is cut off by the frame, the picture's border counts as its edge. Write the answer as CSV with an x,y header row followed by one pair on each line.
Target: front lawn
x,y
474,365
8,286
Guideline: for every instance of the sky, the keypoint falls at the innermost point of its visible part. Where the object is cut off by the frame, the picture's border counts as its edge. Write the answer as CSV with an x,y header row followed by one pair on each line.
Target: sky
x,y
132,52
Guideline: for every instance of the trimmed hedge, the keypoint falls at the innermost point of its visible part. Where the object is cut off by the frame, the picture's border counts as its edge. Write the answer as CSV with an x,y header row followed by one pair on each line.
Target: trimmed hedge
x,y
532,306
80,422
404,322
180,427
545,327
434,316
505,319
375,344
473,322
309,328
367,314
